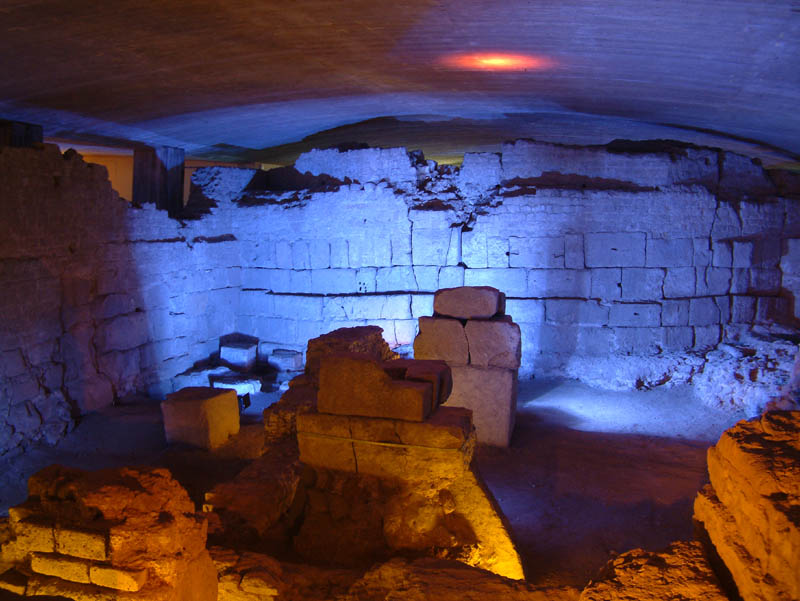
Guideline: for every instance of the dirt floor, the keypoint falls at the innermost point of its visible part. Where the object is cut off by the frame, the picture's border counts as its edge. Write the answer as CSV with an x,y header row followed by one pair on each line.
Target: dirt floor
x,y
588,474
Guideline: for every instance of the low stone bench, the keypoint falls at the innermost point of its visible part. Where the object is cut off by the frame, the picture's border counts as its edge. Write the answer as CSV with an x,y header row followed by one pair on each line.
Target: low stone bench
x,y
201,416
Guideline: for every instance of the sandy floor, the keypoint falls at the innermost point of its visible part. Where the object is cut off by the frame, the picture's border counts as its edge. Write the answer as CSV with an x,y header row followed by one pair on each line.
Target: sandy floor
x,y
589,473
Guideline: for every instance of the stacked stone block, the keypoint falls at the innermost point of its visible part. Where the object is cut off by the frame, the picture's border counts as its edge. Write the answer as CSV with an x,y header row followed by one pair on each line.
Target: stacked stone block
x,y
750,509
129,533
482,345
393,468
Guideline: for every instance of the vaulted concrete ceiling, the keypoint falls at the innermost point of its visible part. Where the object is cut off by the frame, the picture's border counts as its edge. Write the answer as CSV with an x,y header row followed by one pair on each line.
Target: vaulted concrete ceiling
x,y
229,78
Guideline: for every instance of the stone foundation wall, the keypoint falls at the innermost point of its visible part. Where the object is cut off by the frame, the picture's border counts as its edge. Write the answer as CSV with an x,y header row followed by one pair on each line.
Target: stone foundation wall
x,y
98,299
646,250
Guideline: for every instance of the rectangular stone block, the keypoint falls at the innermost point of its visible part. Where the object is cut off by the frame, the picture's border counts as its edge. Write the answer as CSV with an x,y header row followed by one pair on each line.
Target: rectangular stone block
x,y
427,278
743,253
525,310
116,578
642,284
743,309
679,282
615,249
451,276
676,252
435,372
491,394
354,384
706,337
713,281
66,568
576,312
639,341
678,338
496,252
544,283
333,281
446,428
33,534
512,282
721,254
468,302
201,416
764,281
441,338
674,312
635,315
702,252
395,279
542,253
606,283
86,544
573,251
239,353
421,305
473,249
494,343
703,312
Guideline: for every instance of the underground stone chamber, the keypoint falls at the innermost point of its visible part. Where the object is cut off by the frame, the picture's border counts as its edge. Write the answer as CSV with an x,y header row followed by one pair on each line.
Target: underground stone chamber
x,y
665,269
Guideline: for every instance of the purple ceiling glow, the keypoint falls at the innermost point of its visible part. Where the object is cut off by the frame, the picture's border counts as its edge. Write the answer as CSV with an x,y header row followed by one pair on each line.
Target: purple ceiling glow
x,y
234,78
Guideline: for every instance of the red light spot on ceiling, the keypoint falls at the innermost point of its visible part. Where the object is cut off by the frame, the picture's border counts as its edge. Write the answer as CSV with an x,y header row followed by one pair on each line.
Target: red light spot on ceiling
x,y
496,61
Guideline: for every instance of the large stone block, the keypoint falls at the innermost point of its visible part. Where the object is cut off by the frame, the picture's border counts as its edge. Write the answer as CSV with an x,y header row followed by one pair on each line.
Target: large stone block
x,y
512,282
66,568
576,312
615,249
441,338
201,416
491,394
536,252
642,284
635,315
435,372
469,302
362,339
570,283
439,447
87,544
494,343
677,252
353,384
238,351
116,578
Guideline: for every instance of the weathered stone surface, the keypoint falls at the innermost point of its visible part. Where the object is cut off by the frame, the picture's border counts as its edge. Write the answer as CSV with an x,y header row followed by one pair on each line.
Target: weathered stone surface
x,y
118,579
387,448
423,370
238,351
353,384
469,302
280,418
443,339
494,343
132,529
366,340
491,394
201,416
258,496
66,568
750,508
680,573
443,580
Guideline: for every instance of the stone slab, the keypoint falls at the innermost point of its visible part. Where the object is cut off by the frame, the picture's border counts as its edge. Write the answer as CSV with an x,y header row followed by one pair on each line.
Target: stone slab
x,y
87,544
286,359
491,394
356,384
116,578
447,428
361,339
469,302
441,338
66,568
201,416
494,343
423,370
240,352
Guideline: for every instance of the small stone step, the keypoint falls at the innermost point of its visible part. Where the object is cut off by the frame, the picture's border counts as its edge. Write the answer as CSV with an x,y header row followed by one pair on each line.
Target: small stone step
x,y
238,351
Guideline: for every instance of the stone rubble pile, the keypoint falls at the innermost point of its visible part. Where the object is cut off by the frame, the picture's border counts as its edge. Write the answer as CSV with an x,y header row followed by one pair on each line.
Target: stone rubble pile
x,y
750,510
470,331
128,533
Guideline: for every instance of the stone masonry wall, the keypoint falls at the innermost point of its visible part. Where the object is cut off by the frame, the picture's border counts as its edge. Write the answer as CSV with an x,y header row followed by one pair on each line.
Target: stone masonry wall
x,y
98,299
647,250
